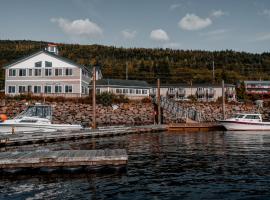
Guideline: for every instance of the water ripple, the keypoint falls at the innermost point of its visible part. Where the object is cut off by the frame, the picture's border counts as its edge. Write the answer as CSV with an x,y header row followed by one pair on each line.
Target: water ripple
x,y
213,165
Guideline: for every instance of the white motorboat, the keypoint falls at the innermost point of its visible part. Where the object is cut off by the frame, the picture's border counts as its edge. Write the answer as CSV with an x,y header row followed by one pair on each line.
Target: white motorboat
x,y
245,122
35,118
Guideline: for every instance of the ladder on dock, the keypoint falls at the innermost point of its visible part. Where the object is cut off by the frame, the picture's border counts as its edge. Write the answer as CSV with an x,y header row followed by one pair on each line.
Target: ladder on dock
x,y
177,111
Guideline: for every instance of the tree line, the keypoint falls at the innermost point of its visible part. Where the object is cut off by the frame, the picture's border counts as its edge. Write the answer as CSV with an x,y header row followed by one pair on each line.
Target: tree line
x,y
171,66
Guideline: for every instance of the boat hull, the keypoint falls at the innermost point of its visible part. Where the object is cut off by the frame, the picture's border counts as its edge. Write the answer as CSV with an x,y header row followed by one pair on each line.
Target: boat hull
x,y
245,126
28,127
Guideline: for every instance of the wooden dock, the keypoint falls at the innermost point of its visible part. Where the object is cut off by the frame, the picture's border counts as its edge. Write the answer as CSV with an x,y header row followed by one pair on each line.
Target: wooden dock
x,y
190,127
86,159
47,137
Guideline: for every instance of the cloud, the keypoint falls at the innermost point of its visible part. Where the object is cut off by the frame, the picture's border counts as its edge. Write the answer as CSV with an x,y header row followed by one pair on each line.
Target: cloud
x,y
265,12
79,27
215,32
217,13
159,35
263,37
192,22
174,6
127,34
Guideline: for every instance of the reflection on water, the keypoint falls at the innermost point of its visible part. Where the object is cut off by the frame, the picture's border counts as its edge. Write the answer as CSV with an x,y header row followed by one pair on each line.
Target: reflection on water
x,y
230,165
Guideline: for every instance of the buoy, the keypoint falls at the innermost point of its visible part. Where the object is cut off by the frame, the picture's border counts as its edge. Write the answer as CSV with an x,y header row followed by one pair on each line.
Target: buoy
x,y
3,117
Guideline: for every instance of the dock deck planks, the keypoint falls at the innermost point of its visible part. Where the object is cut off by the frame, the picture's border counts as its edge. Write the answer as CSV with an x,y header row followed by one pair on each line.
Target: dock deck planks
x,y
195,127
64,158
47,137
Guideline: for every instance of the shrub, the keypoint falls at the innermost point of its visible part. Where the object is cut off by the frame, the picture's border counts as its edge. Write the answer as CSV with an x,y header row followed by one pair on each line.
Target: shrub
x,y
146,100
192,98
105,98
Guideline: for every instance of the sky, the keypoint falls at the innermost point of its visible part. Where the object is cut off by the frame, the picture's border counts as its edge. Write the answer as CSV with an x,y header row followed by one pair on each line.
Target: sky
x,y
240,25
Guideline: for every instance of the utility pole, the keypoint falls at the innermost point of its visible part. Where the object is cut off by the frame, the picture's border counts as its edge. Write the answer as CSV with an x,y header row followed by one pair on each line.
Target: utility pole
x,y
126,70
213,71
94,125
223,100
158,101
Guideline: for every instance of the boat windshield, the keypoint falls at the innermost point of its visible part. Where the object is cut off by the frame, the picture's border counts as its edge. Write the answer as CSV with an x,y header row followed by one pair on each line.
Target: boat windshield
x,y
40,111
252,117
238,116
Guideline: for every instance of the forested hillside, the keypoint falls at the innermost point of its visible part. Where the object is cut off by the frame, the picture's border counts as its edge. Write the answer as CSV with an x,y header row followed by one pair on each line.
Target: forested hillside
x,y
172,66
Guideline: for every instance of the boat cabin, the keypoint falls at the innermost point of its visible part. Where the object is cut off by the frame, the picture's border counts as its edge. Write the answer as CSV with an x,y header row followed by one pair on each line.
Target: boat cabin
x,y
36,111
248,117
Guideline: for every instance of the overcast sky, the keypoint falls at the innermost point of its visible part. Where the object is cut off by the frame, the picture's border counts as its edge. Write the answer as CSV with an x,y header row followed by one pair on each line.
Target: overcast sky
x,y
242,25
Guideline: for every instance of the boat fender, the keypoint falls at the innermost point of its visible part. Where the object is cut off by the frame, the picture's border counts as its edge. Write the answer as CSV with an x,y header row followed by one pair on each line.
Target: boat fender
x,y
3,117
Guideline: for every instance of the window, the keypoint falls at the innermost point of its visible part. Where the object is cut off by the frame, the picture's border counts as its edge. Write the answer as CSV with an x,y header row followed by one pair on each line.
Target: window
x,y
12,72
138,91
131,91
58,72
48,72
68,72
171,90
37,89
118,91
47,89
125,91
37,72
252,117
22,72
83,90
38,64
85,73
68,89
11,89
48,64
239,116
58,89
22,89
30,72
144,91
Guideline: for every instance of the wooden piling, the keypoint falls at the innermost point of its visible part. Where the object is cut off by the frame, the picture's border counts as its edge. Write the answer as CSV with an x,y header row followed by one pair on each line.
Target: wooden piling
x,y
94,124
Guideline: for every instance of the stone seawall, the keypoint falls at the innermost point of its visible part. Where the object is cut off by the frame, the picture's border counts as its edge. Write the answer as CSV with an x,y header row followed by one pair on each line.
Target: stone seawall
x,y
134,113
213,111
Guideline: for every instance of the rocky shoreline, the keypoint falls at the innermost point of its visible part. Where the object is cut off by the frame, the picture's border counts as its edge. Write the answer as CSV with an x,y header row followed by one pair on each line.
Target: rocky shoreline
x,y
133,113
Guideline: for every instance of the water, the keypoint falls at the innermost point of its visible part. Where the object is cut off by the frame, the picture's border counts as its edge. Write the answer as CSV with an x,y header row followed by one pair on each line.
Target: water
x,y
213,165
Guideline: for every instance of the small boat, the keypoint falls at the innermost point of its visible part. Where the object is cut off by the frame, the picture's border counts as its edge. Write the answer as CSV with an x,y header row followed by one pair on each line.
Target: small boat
x,y
245,122
35,118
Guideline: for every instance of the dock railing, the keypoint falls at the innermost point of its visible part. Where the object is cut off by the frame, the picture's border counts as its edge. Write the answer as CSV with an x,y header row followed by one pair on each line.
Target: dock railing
x,y
179,112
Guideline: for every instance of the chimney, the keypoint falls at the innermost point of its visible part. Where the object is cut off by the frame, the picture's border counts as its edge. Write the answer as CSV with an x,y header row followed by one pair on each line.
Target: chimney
x,y
52,48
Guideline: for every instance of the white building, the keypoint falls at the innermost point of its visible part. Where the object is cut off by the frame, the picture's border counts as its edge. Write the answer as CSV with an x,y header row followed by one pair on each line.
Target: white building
x,y
47,73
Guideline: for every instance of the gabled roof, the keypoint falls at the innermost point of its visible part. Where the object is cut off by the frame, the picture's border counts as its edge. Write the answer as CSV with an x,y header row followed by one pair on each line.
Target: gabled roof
x,y
48,53
122,83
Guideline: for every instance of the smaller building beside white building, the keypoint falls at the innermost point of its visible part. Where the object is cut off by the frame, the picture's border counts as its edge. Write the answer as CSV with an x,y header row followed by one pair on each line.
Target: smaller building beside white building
x,y
133,89
257,87
202,92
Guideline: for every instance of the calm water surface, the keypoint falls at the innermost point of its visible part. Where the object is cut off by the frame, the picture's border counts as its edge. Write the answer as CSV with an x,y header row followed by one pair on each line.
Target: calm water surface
x,y
213,165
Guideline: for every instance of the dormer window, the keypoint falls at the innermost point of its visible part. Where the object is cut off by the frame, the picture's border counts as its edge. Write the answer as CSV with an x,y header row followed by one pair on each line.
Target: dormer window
x,y
48,64
38,64
52,48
